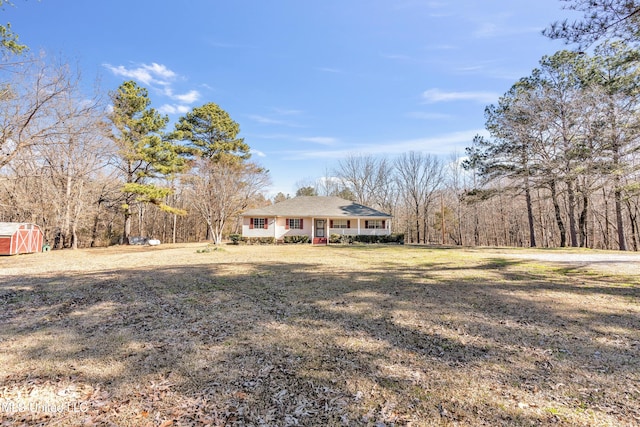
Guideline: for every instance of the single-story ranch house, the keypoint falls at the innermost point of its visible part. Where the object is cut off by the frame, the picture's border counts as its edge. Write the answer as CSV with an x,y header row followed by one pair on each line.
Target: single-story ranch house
x,y
314,216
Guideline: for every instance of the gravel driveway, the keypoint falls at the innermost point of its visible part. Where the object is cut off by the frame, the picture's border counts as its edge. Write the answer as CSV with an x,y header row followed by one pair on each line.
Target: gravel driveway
x,y
621,263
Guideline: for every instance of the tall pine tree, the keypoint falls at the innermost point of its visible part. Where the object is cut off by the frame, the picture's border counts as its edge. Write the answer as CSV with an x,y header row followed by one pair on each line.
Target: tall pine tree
x,y
145,152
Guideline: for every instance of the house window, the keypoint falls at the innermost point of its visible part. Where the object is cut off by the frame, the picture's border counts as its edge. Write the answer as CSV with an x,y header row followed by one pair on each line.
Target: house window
x,y
340,223
295,223
374,223
258,222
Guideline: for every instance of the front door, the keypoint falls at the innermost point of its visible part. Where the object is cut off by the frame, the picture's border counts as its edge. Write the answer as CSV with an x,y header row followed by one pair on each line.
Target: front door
x,y
319,227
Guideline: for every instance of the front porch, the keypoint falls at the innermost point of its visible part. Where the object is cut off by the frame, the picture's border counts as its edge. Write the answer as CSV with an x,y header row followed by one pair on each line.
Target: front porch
x,y
323,228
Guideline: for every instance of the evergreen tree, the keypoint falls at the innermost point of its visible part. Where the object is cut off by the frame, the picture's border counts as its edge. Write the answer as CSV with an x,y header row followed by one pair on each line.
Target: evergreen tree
x,y
601,19
614,77
8,39
145,152
212,134
223,181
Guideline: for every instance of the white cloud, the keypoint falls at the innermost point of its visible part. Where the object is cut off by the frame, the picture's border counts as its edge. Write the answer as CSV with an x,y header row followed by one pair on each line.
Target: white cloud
x,y
258,153
442,47
397,56
287,112
323,140
470,69
160,70
330,70
503,28
486,29
265,120
271,121
282,136
160,77
418,4
428,116
278,116
153,74
437,145
173,109
437,95
188,98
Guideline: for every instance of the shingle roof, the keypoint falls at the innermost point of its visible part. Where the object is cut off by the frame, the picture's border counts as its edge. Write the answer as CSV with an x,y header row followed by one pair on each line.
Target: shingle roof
x,y
317,206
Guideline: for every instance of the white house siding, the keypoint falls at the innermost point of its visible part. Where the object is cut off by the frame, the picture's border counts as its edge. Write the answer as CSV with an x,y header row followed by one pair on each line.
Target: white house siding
x,y
281,228
310,208
258,232
278,229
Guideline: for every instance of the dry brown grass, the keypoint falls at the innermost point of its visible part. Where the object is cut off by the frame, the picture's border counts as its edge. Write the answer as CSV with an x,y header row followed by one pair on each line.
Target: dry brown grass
x,y
315,336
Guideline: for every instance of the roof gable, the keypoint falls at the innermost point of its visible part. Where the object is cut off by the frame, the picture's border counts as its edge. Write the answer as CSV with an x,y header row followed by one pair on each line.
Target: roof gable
x,y
317,206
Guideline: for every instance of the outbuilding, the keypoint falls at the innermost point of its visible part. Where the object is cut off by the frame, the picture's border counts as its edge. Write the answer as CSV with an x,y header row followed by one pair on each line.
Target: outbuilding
x,y
20,238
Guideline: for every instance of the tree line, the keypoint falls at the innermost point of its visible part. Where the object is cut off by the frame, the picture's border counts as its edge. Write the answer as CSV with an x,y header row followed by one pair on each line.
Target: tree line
x,y
98,170
559,166
569,134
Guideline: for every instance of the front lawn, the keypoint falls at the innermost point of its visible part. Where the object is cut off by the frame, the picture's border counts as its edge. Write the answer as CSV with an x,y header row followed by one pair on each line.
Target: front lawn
x,y
315,336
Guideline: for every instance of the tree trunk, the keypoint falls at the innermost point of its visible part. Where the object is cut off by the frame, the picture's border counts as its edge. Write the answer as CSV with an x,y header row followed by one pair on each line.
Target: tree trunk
x,y
424,229
571,196
126,233
543,221
96,221
476,225
617,181
460,238
503,220
606,236
141,226
173,230
633,219
74,236
66,225
582,224
617,196
210,232
532,231
218,232
417,223
556,208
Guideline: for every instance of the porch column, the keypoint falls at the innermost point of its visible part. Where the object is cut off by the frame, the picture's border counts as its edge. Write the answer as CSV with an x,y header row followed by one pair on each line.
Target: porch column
x,y
327,232
358,225
313,229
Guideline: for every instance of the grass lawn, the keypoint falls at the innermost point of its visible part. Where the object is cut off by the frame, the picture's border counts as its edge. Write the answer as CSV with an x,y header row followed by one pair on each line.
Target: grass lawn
x,y
316,336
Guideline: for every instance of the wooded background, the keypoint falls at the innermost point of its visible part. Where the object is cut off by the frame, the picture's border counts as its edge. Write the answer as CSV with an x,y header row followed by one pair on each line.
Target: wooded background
x,y
558,166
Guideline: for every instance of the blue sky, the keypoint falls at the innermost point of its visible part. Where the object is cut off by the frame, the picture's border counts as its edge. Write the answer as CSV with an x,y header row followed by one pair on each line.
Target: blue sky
x,y
309,82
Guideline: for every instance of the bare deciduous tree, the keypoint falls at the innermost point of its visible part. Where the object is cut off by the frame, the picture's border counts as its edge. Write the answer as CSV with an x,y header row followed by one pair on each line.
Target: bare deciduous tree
x,y
222,189
26,101
71,158
368,178
418,177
